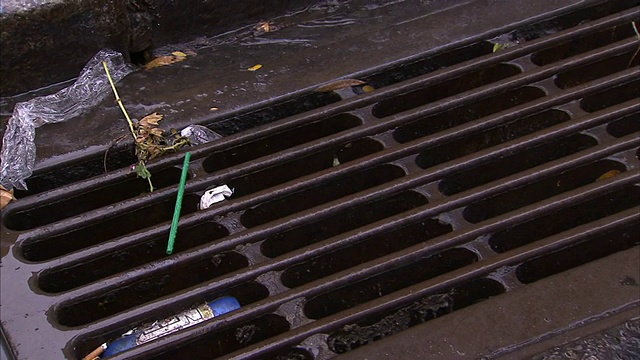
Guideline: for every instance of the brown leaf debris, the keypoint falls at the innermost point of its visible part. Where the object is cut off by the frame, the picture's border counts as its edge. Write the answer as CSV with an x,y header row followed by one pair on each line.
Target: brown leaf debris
x,y
340,84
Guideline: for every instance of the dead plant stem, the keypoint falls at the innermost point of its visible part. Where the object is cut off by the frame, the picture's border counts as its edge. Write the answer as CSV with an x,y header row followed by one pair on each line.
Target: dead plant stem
x,y
126,115
118,100
635,29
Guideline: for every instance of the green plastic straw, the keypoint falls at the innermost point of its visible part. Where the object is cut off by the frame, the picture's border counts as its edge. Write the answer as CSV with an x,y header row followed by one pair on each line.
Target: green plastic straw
x,y
176,211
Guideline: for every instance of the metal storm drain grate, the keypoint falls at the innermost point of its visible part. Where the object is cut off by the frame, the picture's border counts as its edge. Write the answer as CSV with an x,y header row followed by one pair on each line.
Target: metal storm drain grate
x,y
356,215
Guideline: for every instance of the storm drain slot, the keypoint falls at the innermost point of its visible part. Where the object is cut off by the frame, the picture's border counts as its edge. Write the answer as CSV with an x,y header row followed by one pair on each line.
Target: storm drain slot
x,y
611,97
326,159
514,163
573,19
341,222
579,254
290,354
59,177
540,190
82,238
245,294
386,283
320,194
565,219
278,142
582,44
429,64
146,251
364,251
379,326
122,158
227,341
359,203
625,126
495,136
596,70
466,113
443,90
149,289
275,112
90,200
527,33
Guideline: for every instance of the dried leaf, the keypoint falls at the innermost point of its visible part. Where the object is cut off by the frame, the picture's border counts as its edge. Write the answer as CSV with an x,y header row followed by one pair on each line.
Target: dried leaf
x,y
340,84
156,132
179,58
179,54
265,26
154,151
160,61
151,119
6,196
368,88
255,67
608,174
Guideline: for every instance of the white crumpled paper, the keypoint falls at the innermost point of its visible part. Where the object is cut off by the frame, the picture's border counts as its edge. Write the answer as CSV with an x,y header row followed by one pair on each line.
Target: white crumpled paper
x,y
215,195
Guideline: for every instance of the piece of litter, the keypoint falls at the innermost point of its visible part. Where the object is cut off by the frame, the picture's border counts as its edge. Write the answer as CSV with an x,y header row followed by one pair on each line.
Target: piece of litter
x,y
215,195
95,354
160,328
179,53
214,108
19,147
176,211
199,134
255,67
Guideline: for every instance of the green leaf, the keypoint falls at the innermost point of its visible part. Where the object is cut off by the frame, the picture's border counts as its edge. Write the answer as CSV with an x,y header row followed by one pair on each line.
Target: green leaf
x,y
142,171
498,47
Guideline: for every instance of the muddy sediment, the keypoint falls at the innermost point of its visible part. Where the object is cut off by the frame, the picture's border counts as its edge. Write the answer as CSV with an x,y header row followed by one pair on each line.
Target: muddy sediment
x,y
353,335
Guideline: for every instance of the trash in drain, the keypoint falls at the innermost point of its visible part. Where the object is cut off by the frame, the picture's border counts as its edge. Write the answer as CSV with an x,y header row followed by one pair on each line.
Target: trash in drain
x,y
215,195
18,145
158,329
199,134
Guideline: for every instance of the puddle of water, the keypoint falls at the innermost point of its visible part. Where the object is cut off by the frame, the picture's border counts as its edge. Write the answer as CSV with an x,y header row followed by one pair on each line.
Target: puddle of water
x,y
305,27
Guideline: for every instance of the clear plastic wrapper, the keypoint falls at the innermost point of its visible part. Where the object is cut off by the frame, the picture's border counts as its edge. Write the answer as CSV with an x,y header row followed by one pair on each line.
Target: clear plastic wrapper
x,y
199,134
18,145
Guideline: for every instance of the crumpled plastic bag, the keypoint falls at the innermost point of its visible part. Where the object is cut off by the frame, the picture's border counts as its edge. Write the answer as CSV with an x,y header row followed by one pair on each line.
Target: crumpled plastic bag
x,y
18,145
